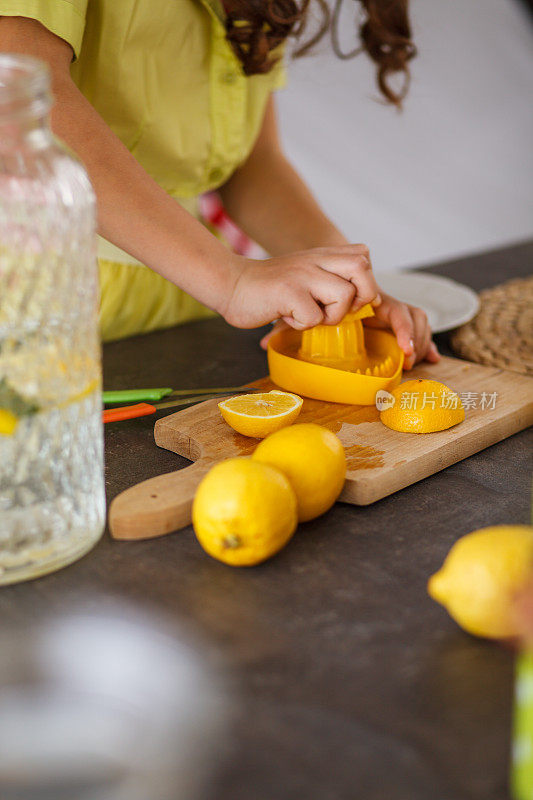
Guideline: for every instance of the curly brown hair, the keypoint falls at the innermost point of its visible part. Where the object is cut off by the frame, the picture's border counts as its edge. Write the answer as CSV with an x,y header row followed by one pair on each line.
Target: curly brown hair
x,y
254,29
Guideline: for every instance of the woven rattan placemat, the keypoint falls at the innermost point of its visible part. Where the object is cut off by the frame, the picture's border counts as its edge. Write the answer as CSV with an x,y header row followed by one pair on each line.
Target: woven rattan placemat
x,y
501,335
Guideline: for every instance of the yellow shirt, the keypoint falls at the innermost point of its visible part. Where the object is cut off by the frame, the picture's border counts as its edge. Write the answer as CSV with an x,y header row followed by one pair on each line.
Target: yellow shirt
x,y
166,81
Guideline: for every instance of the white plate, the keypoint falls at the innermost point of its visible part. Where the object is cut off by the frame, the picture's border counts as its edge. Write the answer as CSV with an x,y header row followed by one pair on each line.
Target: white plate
x,y
446,302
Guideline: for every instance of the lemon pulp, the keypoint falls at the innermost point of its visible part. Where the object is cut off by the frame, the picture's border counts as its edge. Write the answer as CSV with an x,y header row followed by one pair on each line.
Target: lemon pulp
x,y
258,415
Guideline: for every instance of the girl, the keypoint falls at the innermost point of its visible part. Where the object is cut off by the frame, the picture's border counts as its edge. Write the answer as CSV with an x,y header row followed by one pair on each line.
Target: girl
x,y
164,100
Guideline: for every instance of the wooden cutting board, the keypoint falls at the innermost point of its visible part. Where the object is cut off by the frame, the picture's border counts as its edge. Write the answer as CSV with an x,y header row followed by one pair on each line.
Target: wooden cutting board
x,y
380,461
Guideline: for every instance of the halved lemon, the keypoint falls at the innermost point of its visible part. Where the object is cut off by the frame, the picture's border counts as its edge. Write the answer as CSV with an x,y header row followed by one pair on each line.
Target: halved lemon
x,y
423,406
259,415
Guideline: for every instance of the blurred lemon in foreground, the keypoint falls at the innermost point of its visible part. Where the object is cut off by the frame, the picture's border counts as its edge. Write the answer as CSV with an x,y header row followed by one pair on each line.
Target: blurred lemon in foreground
x,y
244,512
423,406
8,422
258,415
481,576
313,460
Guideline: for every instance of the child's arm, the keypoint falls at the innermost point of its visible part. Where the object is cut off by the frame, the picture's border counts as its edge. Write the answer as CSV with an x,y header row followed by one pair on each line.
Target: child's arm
x,y
271,202
138,216
133,211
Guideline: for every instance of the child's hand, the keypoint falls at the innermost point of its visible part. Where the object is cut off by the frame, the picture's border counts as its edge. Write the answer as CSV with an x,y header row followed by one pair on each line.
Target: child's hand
x,y
409,324
303,289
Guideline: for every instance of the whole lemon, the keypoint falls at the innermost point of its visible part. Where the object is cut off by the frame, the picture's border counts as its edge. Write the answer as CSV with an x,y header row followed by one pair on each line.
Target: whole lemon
x,y
313,460
481,576
244,512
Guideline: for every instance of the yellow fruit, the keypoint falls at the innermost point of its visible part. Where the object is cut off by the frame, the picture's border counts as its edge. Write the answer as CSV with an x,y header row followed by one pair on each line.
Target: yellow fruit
x,y
481,576
313,460
244,512
259,415
423,406
8,422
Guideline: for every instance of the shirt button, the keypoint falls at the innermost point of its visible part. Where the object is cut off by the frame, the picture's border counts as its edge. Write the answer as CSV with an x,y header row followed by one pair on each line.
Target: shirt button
x,y
229,77
215,175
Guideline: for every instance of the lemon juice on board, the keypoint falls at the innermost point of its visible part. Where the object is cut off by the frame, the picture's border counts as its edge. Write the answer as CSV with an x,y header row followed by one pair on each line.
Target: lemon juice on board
x,y
51,440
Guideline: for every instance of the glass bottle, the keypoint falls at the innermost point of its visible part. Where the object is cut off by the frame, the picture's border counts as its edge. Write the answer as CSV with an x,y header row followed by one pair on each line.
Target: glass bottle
x,y
52,507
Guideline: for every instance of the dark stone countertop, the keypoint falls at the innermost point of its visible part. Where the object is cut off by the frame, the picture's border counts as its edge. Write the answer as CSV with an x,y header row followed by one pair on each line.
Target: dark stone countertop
x,y
352,682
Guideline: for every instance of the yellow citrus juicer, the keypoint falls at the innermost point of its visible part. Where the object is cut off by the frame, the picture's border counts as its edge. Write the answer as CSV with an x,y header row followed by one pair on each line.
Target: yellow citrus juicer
x,y
343,363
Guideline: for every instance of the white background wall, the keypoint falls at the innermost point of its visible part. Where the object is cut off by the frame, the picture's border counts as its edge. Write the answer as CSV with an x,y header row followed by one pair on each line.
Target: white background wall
x,y
452,173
